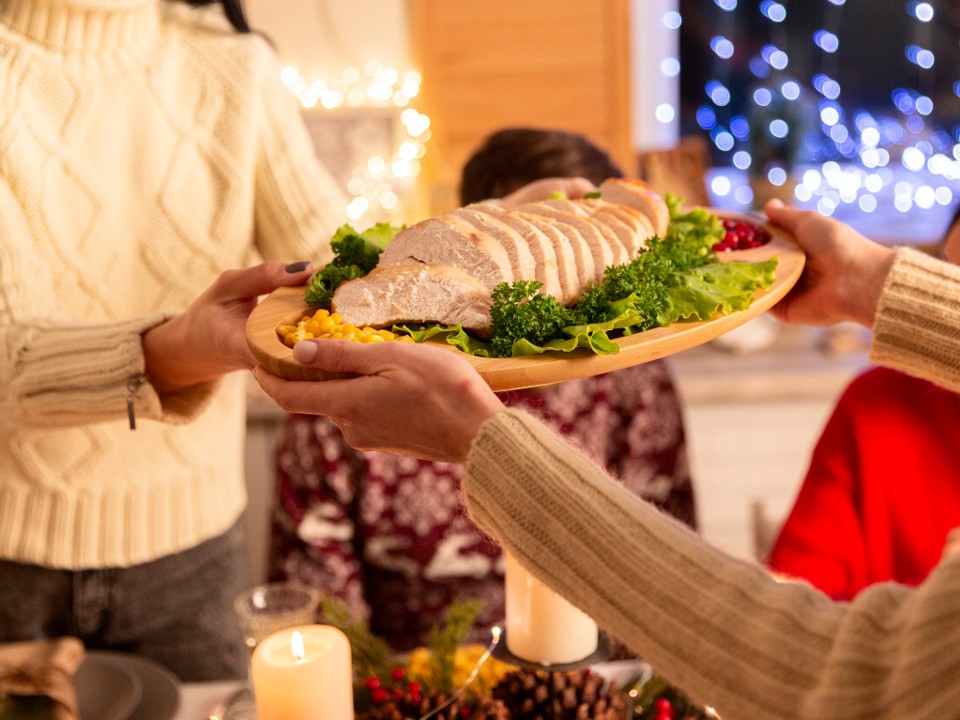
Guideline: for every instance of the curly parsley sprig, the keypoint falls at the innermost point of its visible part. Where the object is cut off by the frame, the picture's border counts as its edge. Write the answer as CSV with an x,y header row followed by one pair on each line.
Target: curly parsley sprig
x,y
520,312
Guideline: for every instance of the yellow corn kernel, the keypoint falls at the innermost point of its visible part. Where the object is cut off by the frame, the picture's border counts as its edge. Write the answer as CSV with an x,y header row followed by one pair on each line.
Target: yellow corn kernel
x,y
326,324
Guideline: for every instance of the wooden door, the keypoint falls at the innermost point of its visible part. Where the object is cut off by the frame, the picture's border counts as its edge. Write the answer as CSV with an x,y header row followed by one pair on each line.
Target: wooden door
x,y
546,63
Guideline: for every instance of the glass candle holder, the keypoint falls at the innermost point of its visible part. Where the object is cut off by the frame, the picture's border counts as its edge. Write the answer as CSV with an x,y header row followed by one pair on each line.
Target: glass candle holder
x,y
266,609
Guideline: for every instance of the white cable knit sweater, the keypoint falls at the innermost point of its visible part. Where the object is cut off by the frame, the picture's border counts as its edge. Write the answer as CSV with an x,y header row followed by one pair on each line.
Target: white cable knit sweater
x,y
145,147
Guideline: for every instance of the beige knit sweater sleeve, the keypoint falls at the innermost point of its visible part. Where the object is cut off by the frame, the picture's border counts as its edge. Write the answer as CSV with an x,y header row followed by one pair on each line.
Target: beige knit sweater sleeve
x,y
916,328
720,628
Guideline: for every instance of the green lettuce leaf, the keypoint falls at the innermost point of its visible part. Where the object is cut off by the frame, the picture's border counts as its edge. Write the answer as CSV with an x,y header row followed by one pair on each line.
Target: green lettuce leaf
x,y
701,293
453,334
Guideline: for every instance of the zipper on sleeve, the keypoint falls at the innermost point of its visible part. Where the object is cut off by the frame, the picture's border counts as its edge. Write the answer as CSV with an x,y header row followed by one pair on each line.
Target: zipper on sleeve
x,y
134,383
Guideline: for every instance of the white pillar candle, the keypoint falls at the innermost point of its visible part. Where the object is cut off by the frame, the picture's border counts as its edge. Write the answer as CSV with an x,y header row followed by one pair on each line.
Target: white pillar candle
x,y
303,673
542,627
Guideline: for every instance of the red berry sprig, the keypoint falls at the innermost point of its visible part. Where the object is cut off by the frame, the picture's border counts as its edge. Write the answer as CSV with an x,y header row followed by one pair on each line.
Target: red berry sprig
x,y
396,689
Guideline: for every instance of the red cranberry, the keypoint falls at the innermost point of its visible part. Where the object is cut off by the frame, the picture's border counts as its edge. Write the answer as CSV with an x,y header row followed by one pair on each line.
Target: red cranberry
x,y
741,235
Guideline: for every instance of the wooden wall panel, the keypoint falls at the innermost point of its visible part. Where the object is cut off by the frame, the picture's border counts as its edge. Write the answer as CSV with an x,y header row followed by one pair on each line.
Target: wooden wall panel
x,y
546,63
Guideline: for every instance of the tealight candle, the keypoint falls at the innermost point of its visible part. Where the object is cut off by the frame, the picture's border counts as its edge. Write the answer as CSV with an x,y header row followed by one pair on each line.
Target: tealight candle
x,y
303,673
543,627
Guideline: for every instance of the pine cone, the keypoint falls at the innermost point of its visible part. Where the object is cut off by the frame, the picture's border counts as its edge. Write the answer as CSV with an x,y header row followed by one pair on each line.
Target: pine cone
x,y
580,695
485,708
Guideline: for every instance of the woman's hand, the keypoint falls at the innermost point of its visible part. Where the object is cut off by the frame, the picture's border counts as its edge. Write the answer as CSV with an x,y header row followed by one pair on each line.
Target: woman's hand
x,y
209,339
844,272
410,399
571,187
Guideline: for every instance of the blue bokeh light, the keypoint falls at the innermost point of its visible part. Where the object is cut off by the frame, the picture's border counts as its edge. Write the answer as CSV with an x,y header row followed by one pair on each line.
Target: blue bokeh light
x,y
773,11
706,117
826,41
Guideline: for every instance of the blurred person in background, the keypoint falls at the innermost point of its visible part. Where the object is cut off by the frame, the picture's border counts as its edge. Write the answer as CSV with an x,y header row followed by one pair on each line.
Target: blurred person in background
x,y
882,493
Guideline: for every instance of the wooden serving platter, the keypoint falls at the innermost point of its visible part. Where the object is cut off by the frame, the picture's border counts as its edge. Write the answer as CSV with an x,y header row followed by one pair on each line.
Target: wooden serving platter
x,y
286,306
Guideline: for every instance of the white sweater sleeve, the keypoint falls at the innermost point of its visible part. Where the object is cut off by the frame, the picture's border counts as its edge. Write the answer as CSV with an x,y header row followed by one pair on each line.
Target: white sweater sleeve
x,y
56,374
299,204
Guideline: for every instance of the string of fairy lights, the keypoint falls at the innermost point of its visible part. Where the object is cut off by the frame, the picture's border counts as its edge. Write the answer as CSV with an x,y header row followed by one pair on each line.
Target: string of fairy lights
x,y
794,131
374,186
850,156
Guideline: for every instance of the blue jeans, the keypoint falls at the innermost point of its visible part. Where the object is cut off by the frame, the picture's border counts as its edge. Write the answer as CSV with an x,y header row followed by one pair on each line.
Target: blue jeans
x,y
177,610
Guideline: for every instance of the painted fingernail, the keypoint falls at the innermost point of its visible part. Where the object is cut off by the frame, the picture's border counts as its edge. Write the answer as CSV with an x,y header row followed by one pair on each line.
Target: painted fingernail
x,y
304,352
297,266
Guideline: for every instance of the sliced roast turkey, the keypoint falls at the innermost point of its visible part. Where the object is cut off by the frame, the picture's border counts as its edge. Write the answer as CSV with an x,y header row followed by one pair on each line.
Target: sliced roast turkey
x,y
536,259
444,269
415,293
636,193
446,239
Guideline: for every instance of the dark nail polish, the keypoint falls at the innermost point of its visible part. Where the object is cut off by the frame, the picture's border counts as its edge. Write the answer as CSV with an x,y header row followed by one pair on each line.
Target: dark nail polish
x,y
297,266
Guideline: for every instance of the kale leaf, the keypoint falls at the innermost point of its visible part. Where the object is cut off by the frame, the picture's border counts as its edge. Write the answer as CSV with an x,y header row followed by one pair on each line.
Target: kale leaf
x,y
355,255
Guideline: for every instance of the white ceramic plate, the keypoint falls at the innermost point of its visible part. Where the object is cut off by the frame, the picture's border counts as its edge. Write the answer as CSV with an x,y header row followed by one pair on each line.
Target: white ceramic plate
x,y
105,690
159,697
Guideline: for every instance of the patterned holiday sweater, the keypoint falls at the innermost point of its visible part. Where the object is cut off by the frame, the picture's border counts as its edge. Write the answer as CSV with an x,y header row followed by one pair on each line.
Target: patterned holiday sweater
x,y
388,534
720,628
145,147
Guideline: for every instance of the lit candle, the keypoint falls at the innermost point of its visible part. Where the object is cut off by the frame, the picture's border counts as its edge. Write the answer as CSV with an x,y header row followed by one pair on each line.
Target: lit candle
x,y
303,673
543,627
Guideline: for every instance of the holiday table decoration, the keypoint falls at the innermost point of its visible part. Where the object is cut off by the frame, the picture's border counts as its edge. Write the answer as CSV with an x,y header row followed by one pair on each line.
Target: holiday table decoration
x,y
451,680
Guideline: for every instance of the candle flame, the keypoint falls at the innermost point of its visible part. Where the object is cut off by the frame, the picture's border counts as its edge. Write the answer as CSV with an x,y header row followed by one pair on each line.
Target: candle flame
x,y
296,646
